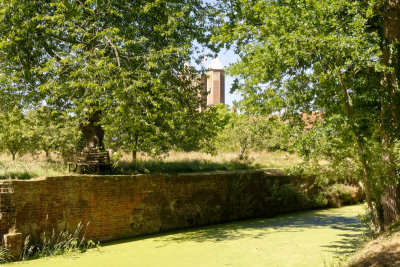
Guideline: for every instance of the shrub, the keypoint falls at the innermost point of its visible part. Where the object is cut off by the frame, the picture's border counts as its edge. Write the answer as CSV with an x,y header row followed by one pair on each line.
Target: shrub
x,y
319,200
287,197
339,194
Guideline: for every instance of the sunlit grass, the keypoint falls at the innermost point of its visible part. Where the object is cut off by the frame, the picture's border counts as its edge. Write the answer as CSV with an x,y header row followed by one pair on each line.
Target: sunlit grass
x,y
33,165
29,166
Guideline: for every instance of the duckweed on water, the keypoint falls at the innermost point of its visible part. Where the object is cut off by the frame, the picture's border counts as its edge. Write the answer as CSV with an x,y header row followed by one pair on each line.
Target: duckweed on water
x,y
310,238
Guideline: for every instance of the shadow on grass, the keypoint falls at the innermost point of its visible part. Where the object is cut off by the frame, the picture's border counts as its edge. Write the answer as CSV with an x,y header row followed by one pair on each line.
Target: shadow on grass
x,y
260,228
158,166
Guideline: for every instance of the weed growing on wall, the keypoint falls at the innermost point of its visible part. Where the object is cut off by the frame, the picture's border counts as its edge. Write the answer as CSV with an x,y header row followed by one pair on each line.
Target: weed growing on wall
x,y
4,255
52,244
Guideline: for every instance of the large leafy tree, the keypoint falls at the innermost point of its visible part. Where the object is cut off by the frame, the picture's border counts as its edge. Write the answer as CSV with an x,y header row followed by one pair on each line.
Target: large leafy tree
x,y
104,61
339,58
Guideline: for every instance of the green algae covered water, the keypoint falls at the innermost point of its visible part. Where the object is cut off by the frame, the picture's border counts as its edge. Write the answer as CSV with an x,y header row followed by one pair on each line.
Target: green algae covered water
x,y
310,238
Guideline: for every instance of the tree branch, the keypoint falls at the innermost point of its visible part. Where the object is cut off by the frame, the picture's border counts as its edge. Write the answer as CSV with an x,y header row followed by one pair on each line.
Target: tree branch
x,y
115,51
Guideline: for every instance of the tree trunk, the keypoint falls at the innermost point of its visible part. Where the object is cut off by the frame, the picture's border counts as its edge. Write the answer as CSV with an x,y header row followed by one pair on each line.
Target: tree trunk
x,y
134,156
391,203
135,148
390,12
361,153
93,132
13,156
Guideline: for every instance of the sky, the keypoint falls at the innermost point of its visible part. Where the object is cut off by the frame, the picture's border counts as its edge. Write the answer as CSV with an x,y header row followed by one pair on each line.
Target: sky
x,y
226,57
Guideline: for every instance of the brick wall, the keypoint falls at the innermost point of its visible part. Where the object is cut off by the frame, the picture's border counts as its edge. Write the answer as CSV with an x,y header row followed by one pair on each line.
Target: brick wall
x,y
126,206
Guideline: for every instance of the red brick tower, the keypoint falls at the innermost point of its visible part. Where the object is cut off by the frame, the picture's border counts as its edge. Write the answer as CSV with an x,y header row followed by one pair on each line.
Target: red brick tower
x,y
215,83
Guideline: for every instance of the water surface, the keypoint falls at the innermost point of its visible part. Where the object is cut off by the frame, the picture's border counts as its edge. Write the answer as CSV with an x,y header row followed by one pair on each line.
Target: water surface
x,y
307,238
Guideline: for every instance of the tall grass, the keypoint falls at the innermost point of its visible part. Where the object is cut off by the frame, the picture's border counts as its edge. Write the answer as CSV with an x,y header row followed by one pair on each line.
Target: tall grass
x,y
176,162
4,255
159,166
34,165
53,244
29,166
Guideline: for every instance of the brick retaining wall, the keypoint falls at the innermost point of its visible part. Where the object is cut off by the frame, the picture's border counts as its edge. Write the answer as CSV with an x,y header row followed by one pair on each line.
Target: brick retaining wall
x,y
126,206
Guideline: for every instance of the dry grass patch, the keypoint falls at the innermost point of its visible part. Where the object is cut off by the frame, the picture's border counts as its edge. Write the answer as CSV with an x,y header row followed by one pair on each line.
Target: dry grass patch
x,y
265,159
30,165
383,251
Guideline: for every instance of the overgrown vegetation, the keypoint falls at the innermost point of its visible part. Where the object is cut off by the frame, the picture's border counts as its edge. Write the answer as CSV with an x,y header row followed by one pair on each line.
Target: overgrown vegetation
x,y
290,197
54,243
31,165
159,166
36,165
4,255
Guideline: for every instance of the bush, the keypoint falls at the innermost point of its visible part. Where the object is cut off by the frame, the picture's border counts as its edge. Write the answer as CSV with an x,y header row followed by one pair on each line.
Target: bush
x,y
339,194
287,197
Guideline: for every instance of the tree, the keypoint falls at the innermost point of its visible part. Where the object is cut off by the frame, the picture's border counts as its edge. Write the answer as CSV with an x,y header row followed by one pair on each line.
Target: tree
x,y
51,130
242,134
339,58
104,61
202,137
14,136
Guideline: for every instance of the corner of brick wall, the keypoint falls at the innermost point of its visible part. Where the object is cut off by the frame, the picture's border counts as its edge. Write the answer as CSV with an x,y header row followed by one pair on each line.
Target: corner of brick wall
x,y
7,207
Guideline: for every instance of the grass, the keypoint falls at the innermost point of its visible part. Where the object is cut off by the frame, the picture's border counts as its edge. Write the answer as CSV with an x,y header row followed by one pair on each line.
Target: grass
x,y
383,251
30,166
35,165
53,244
4,255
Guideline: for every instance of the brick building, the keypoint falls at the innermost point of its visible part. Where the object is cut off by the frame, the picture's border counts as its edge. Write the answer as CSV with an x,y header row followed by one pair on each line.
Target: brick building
x,y
214,83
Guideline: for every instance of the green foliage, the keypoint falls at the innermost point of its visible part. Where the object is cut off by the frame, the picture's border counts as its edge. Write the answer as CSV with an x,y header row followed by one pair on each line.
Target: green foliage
x,y
339,194
291,197
287,197
243,133
123,60
183,136
37,129
52,131
14,135
338,58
